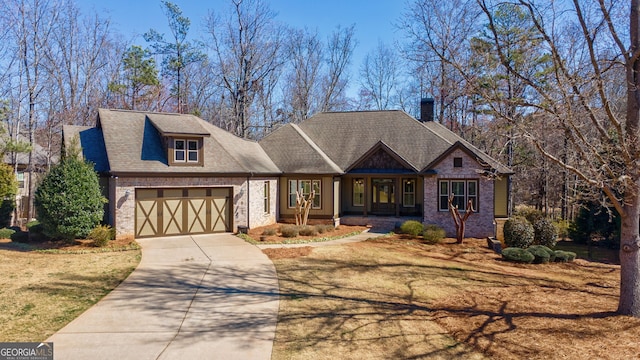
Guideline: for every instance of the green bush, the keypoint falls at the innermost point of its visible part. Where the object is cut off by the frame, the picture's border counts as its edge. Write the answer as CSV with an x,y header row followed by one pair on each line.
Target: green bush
x,y
68,201
518,232
562,228
595,222
289,231
307,231
8,191
101,235
20,236
6,233
269,232
531,214
544,232
412,227
542,254
564,256
433,234
516,254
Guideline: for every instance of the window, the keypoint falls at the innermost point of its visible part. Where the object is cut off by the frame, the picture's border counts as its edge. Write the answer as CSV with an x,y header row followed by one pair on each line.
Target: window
x,y
267,197
185,150
304,187
358,192
20,178
408,192
192,150
457,162
178,150
463,191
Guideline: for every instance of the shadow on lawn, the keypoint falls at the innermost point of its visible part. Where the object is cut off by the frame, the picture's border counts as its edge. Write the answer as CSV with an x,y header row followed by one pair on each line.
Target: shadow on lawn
x,y
337,310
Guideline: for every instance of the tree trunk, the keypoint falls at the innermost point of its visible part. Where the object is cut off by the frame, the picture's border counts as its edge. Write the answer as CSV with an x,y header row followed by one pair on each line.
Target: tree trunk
x,y
629,303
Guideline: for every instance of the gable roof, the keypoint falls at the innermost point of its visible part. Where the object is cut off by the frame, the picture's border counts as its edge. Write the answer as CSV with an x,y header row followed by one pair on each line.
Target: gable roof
x,y
293,152
93,149
347,138
169,124
133,144
381,147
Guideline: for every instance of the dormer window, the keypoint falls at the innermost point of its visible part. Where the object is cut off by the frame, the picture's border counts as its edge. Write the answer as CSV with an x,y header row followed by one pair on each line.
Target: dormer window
x,y
186,151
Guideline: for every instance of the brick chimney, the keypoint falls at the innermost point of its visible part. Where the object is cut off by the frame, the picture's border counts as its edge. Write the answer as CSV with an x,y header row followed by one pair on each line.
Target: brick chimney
x,y
426,109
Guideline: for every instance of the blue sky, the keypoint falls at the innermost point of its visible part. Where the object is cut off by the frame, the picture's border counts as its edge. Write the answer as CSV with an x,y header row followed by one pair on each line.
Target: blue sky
x,y
373,19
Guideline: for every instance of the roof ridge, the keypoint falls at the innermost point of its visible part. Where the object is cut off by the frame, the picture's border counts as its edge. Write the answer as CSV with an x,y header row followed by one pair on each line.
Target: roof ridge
x,y
436,134
316,148
146,112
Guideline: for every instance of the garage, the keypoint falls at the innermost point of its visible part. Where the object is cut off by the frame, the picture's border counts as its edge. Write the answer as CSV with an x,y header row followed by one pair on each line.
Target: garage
x,y
166,212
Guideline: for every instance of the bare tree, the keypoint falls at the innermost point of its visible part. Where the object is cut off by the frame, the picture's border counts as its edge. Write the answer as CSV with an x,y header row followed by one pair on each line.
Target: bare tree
x,y
247,46
303,79
379,77
338,57
438,32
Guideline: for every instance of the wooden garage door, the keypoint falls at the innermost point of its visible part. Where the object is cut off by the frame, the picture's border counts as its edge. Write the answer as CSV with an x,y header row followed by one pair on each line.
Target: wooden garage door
x,y
163,212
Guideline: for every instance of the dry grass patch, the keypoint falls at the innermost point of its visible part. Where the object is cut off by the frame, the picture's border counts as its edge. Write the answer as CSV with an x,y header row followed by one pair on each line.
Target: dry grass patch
x,y
42,292
397,298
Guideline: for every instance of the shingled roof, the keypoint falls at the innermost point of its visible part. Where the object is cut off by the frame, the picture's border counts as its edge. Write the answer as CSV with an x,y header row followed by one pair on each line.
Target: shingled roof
x,y
132,143
343,138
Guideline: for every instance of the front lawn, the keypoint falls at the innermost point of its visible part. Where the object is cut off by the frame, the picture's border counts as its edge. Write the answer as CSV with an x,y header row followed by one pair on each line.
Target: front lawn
x,y
42,292
397,298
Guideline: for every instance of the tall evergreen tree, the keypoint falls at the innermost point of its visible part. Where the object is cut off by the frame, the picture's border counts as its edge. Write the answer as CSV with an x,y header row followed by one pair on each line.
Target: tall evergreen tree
x,y
177,52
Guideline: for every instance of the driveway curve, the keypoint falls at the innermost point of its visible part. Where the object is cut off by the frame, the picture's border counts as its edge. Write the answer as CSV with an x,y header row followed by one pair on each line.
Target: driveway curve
x,y
191,297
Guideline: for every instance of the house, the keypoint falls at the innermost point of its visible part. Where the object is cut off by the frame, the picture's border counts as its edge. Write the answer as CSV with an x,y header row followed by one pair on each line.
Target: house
x,y
41,161
170,174
173,174
382,167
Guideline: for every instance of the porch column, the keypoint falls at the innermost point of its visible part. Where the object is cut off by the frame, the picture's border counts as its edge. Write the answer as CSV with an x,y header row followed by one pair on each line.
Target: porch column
x,y
365,198
397,188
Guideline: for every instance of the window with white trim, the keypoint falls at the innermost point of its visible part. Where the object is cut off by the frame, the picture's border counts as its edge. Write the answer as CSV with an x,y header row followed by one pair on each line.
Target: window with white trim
x,y
305,186
408,192
267,197
358,192
20,178
463,191
185,150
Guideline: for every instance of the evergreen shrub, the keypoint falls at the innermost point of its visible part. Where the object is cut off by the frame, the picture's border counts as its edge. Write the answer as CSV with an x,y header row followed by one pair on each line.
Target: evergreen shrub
x,y
564,256
516,254
518,232
545,232
69,202
541,253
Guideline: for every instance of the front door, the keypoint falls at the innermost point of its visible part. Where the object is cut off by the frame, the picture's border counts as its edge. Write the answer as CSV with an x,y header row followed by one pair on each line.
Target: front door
x,y
383,199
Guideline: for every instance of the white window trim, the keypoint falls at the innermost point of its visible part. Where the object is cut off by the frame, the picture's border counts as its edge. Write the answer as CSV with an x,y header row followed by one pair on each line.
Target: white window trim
x,y
466,193
353,190
186,151
404,193
298,186
267,197
196,151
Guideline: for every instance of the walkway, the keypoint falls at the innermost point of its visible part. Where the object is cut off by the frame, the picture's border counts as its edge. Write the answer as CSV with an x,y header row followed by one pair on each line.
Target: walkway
x,y
191,297
355,238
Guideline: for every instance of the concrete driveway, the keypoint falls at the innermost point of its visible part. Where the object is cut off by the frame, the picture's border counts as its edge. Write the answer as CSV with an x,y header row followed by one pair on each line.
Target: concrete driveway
x,y
191,297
